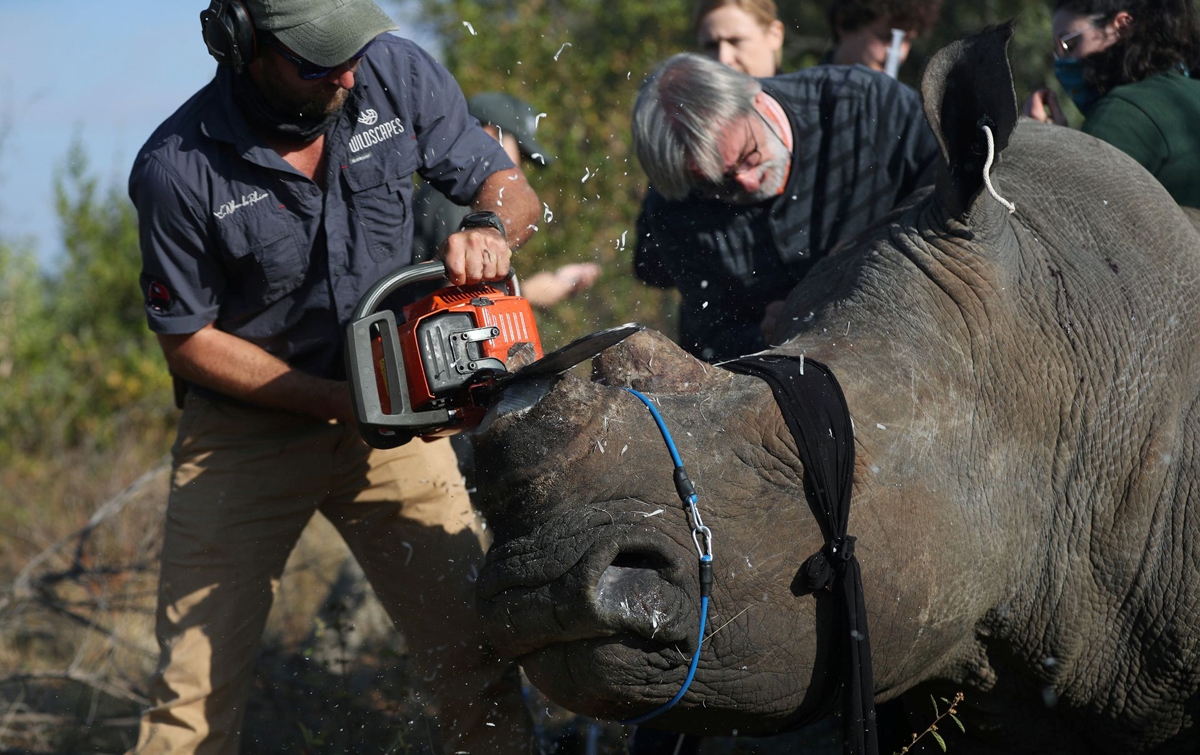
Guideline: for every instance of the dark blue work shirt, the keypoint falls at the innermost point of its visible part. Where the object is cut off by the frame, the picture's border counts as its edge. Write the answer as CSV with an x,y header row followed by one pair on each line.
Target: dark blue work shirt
x,y
232,234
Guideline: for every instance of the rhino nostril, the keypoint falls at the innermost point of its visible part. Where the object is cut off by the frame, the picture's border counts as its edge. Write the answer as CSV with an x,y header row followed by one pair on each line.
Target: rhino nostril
x,y
633,595
640,560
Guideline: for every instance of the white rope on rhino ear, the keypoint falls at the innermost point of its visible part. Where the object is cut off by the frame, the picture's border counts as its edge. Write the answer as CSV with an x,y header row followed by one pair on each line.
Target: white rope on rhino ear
x,y
987,172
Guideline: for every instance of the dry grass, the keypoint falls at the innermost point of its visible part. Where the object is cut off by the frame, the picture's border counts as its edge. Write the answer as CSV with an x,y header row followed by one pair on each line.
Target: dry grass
x,y
76,636
78,575
76,624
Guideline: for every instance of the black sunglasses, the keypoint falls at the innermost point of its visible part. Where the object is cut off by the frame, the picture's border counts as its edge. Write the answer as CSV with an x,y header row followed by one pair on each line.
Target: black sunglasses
x,y
1064,46
308,70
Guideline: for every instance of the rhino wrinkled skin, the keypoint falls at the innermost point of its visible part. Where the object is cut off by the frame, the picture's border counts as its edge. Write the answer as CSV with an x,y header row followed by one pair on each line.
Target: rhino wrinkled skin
x,y
1024,393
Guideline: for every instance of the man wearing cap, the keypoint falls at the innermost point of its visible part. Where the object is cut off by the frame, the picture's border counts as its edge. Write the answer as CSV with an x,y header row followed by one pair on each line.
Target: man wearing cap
x,y
511,122
267,205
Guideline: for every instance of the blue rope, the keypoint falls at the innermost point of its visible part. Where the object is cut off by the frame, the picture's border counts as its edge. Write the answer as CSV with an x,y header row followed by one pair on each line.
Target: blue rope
x,y
687,494
662,426
686,682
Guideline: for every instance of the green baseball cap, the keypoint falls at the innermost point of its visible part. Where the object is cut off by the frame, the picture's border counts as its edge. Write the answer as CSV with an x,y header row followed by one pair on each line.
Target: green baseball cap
x,y
511,116
325,32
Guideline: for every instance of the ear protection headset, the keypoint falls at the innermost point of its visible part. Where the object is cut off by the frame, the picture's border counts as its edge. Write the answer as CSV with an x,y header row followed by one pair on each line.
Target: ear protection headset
x,y
228,33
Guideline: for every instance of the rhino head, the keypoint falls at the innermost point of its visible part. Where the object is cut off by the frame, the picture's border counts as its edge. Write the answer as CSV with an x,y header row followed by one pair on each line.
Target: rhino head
x,y
1022,386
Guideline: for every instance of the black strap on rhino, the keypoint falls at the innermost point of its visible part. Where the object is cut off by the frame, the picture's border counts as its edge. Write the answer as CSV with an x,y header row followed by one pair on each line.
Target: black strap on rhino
x,y
815,410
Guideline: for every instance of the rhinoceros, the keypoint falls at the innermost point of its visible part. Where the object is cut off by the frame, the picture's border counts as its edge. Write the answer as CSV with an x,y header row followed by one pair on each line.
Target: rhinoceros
x,y
1019,353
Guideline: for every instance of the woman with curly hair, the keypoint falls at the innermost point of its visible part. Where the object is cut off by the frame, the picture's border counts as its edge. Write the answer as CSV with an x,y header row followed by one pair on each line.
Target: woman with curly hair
x,y
862,29
1127,65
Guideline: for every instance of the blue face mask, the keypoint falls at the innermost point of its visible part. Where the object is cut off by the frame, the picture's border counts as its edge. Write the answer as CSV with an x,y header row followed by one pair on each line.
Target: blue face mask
x,y
1069,72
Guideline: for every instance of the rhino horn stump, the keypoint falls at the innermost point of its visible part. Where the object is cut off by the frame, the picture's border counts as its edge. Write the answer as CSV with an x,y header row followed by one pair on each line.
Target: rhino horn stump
x,y
649,361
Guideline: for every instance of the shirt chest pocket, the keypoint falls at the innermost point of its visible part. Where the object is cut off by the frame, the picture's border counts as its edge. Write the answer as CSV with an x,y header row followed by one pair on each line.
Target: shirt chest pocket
x,y
263,254
379,197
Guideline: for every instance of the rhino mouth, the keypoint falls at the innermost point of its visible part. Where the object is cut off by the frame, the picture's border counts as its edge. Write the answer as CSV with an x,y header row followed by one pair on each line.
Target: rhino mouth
x,y
625,586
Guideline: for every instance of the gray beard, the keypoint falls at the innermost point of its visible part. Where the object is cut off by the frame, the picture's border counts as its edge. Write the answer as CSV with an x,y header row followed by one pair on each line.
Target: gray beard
x,y
775,167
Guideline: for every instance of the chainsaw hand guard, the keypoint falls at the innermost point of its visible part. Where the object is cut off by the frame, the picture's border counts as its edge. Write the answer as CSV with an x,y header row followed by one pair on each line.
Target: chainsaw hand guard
x,y
375,367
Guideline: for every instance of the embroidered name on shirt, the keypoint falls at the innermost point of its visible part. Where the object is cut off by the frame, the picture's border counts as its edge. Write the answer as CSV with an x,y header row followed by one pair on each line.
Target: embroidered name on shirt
x,y
232,205
380,133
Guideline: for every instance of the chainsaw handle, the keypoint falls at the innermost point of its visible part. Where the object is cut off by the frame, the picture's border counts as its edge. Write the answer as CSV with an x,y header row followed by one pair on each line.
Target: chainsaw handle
x,y
397,426
424,271
370,301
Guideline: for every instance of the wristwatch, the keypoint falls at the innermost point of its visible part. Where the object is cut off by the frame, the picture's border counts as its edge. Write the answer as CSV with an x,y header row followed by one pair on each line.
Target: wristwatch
x,y
483,219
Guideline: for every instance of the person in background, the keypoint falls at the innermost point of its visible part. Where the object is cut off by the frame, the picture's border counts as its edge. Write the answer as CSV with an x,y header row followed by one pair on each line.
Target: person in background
x,y
862,29
1127,65
745,35
268,204
743,198
512,123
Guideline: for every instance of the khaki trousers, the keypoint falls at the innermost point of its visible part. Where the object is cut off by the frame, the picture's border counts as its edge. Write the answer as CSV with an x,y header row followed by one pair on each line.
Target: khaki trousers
x,y
246,481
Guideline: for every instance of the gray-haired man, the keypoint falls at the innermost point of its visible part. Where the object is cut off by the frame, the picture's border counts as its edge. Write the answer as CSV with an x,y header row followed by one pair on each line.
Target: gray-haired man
x,y
753,180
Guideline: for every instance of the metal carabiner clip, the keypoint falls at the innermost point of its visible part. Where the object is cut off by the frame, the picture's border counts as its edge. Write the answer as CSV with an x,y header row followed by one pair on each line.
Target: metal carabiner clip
x,y
705,534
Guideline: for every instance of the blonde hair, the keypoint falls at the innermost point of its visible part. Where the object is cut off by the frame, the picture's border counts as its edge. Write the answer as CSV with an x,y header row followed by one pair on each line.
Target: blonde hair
x,y
762,11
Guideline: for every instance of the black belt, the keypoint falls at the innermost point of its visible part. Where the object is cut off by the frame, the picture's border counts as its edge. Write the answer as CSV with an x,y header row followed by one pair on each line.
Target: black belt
x,y
815,410
184,387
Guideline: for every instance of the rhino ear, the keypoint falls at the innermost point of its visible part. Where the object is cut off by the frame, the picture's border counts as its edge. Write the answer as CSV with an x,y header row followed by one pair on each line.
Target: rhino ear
x,y
968,85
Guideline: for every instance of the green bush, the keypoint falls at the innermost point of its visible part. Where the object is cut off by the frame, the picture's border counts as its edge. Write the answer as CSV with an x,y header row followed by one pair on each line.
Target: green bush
x,y
77,362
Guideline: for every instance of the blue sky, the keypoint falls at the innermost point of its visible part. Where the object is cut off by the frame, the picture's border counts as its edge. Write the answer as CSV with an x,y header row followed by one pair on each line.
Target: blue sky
x,y
107,72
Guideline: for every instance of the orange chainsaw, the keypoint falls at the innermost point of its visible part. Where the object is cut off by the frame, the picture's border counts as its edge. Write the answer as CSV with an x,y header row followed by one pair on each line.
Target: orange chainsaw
x,y
438,371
